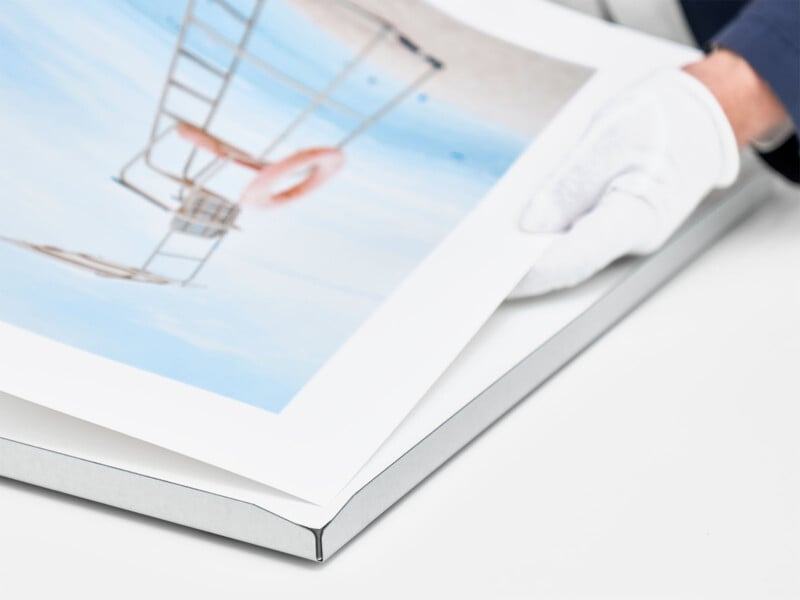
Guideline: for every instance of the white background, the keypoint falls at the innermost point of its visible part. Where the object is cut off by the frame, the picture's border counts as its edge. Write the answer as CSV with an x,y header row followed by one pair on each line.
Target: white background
x,y
662,463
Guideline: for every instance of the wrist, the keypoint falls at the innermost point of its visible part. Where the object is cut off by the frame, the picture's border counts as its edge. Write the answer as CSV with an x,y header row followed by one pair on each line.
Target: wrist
x,y
750,106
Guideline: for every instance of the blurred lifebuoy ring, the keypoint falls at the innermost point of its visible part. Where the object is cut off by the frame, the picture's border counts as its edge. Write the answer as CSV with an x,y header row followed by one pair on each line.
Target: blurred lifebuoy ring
x,y
321,163
202,139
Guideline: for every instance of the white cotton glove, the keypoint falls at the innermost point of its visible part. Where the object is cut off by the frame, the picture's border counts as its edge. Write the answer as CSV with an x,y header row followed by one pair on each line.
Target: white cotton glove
x,y
642,166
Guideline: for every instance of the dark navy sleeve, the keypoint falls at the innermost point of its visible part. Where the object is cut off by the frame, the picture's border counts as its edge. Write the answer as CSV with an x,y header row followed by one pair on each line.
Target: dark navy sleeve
x,y
766,33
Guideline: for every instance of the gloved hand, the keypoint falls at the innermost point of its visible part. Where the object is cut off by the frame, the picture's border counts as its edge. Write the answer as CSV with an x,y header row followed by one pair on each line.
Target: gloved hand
x,y
642,166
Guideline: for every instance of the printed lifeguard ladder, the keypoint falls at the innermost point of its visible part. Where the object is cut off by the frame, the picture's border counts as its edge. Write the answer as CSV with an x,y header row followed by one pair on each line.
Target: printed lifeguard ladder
x,y
197,211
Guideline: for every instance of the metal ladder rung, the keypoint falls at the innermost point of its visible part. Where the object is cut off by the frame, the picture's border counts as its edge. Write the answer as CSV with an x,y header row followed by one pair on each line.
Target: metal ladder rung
x,y
231,10
182,256
219,72
175,117
209,30
274,72
191,91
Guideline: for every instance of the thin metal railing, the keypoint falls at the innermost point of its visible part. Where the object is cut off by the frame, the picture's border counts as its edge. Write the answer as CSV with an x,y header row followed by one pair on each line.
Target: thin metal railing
x,y
193,193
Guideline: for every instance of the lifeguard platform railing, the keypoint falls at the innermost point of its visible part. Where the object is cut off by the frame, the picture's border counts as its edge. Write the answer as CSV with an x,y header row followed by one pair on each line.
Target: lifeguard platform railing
x,y
197,209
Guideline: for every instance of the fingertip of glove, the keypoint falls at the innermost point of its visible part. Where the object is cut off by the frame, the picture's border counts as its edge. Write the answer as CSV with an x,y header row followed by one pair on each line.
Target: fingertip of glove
x,y
531,287
542,217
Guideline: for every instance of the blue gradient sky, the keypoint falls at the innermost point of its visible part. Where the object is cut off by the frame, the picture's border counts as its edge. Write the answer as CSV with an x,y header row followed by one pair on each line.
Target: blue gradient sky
x,y
78,87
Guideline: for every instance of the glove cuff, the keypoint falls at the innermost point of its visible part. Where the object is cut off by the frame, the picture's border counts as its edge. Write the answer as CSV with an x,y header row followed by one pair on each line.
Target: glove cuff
x,y
729,149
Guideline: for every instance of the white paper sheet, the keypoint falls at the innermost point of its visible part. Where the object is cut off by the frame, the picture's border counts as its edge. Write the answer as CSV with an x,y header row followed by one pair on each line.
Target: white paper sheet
x,y
324,456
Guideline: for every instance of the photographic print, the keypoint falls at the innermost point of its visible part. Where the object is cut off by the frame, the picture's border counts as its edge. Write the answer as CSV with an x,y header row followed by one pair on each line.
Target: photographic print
x,y
221,192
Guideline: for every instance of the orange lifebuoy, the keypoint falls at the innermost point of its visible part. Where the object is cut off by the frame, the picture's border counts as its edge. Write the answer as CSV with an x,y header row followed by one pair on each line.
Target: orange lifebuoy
x,y
321,163
202,139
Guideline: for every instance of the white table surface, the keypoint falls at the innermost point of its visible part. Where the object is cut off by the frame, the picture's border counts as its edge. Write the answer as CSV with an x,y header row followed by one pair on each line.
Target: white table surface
x,y
664,462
